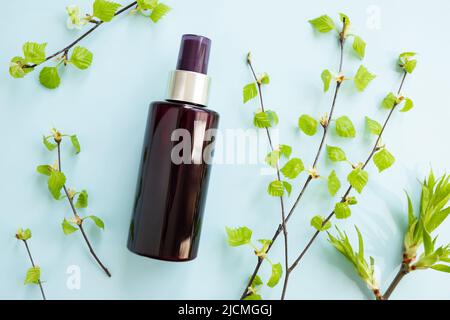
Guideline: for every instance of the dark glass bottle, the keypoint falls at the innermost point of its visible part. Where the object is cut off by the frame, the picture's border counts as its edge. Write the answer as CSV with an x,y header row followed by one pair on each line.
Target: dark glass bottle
x,y
175,165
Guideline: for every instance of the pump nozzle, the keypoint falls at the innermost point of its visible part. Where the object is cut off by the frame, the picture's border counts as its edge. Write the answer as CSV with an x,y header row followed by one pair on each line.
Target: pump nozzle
x,y
194,53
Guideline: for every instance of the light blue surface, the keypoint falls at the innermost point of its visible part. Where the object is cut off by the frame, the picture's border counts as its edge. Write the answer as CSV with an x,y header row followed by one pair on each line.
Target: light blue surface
x,y
107,106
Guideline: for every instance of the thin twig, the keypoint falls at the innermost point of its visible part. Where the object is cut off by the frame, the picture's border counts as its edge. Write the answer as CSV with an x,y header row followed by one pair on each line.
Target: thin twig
x,y
404,270
283,216
32,263
79,220
308,179
84,35
350,188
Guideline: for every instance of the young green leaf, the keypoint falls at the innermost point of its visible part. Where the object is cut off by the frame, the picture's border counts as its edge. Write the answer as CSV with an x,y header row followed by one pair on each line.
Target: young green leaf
x,y
55,183
437,218
33,275
343,245
345,128
159,11
308,124
317,223
351,200
257,282
373,126
23,234
253,296
408,105
26,234
276,188
277,272
98,222
261,120
74,19
264,78
364,268
67,227
441,267
406,55
334,184
81,58
49,145
49,77
273,117
261,252
285,150
390,101
427,242
272,158
358,179
105,10
288,187
411,216
238,236
410,66
323,24
292,168
360,244
344,19
359,46
336,154
362,78
406,62
44,169
82,200
18,69
383,159
249,92
34,52
147,4
326,79
75,143
342,210
434,201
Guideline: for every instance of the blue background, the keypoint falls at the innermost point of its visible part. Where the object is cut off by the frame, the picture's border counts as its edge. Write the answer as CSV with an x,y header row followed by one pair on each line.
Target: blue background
x,y
107,107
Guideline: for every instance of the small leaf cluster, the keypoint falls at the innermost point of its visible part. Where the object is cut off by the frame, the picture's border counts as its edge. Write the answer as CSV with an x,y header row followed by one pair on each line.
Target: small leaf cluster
x,y
325,24
56,183
262,118
365,269
23,235
243,236
392,100
290,170
152,9
265,119
361,79
34,54
33,275
407,62
357,178
382,158
344,126
434,209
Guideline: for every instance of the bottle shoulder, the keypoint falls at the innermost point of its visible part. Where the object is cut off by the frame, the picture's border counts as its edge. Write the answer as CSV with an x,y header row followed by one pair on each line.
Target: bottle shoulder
x,y
182,105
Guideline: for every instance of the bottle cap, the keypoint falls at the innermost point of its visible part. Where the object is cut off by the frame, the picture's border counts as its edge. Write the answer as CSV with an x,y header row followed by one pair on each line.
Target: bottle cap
x,y
194,53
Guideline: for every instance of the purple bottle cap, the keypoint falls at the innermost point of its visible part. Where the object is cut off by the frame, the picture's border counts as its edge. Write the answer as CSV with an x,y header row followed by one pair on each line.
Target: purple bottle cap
x,y
194,53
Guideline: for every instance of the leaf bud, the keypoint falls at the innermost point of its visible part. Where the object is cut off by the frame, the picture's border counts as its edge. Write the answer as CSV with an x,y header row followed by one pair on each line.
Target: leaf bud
x,y
324,120
313,173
